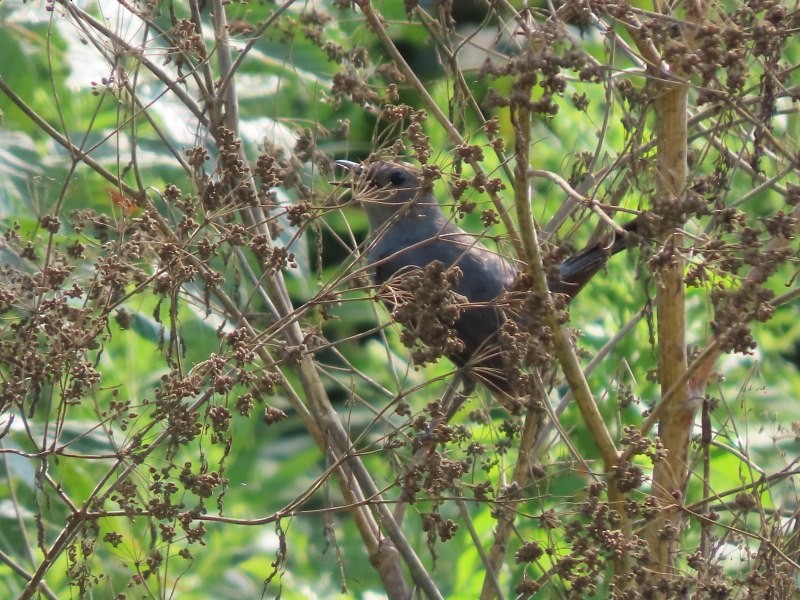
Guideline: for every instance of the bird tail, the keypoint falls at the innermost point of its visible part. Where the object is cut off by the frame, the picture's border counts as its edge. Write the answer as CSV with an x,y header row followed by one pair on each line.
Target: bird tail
x,y
577,270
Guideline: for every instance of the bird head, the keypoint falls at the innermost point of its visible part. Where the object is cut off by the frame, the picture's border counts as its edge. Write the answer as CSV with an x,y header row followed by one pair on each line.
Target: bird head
x,y
386,188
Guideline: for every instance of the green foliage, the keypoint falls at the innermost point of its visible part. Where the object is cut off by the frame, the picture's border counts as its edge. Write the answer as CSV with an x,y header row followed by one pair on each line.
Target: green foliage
x,y
191,261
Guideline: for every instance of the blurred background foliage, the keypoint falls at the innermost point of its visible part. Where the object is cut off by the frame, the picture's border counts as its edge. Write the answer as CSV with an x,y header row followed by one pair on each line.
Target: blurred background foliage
x,y
310,89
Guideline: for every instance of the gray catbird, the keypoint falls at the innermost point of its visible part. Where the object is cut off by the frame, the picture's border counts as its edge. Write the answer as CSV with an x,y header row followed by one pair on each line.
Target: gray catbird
x,y
411,232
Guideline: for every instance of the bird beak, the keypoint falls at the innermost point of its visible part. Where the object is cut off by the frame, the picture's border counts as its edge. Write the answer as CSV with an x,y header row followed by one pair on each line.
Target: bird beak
x,y
351,166
354,168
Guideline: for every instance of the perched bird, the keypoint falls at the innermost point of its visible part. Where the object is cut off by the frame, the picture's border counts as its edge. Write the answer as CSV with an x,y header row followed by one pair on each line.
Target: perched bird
x,y
411,234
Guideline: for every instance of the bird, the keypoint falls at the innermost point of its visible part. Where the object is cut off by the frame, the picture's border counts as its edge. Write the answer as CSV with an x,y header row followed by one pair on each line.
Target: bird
x,y
412,236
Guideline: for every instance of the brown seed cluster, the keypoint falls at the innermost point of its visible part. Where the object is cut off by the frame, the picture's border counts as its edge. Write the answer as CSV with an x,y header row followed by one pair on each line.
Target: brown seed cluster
x,y
188,44
426,306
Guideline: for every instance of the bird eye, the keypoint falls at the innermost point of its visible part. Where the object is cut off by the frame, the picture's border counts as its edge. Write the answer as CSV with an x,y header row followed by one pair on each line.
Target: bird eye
x,y
397,177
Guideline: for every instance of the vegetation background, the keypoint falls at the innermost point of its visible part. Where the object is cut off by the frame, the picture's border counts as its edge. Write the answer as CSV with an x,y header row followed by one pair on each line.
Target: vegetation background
x,y
201,397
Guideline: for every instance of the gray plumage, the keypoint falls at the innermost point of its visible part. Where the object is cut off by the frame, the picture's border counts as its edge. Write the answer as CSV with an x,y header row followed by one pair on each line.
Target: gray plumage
x,y
411,231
